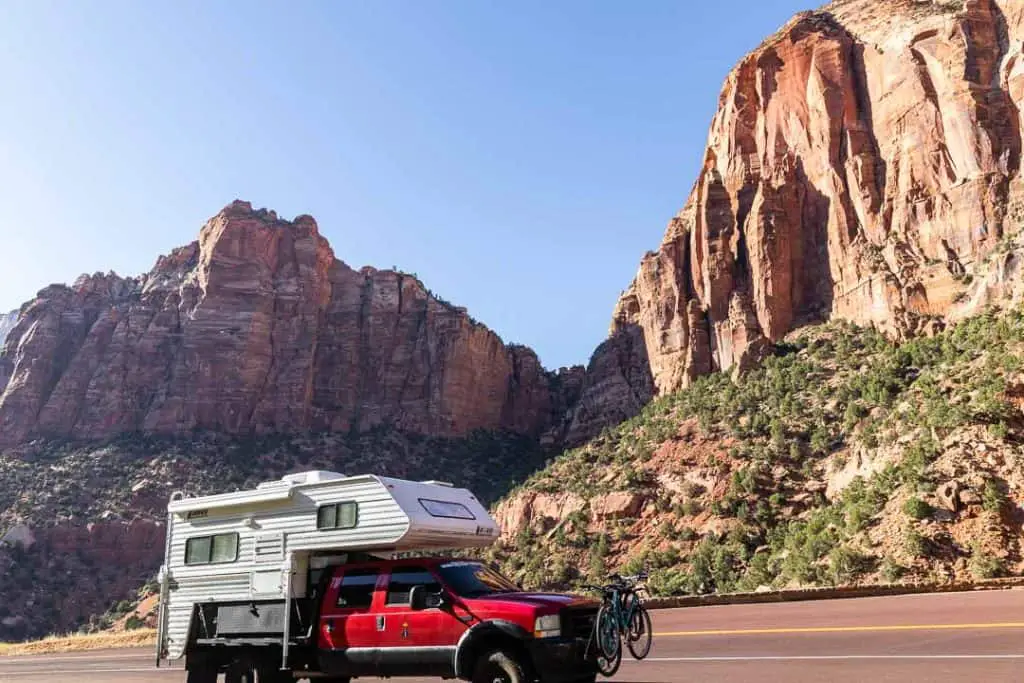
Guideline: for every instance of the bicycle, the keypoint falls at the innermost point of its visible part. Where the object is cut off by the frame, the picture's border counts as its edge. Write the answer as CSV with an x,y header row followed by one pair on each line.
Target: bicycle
x,y
621,617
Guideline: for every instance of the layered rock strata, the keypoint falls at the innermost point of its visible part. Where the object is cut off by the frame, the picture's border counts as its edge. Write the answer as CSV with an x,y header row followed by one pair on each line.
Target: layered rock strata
x,y
257,328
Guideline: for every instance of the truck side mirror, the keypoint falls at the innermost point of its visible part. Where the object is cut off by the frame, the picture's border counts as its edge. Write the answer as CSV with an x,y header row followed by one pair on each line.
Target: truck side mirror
x,y
418,597
436,599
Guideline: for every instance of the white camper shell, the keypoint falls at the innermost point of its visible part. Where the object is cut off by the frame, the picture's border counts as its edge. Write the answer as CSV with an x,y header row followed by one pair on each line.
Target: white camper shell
x,y
267,543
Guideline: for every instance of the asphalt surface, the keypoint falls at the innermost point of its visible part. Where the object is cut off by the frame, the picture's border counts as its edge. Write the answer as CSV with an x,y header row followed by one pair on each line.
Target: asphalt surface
x,y
951,637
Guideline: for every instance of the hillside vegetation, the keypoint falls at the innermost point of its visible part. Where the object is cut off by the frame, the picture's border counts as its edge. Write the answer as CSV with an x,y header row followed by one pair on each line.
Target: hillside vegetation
x,y
843,458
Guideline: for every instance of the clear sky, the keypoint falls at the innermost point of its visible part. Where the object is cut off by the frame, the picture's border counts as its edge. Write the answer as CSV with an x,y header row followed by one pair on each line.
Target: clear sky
x,y
520,157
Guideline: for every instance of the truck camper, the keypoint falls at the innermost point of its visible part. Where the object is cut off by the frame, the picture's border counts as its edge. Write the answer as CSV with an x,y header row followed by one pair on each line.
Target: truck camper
x,y
328,577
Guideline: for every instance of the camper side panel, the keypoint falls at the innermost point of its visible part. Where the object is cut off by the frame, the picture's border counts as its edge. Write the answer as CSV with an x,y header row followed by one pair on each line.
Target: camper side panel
x,y
380,521
266,533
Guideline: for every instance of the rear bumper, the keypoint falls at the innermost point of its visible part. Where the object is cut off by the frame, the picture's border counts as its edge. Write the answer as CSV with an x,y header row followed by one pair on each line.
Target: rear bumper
x,y
562,660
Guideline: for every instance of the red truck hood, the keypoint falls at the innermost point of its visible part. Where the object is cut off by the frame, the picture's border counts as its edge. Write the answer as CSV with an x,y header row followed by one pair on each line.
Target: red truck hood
x,y
554,600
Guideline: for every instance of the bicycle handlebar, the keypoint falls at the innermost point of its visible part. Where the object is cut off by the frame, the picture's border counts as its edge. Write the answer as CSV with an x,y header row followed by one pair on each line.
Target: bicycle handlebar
x,y
620,583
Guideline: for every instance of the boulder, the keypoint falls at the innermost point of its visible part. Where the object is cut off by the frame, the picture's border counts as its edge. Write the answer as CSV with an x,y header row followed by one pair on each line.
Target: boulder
x,y
619,505
947,495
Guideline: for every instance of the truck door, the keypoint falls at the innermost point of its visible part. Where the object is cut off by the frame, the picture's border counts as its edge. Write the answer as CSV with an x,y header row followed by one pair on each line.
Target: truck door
x,y
349,633
417,641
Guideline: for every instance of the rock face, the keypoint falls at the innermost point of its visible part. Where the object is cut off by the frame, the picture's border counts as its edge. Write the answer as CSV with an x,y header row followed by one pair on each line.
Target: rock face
x,y
109,558
864,163
258,328
7,321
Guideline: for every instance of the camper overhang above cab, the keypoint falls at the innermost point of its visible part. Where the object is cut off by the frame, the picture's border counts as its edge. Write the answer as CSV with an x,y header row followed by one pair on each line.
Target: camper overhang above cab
x,y
322,510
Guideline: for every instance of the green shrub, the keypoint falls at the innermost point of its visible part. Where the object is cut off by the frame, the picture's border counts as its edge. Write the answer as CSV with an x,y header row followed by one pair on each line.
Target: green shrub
x,y
992,496
985,566
691,508
914,543
598,553
845,564
917,508
890,571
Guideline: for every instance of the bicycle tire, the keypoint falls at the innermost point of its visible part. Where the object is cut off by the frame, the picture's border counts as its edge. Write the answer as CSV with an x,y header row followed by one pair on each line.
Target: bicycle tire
x,y
639,637
608,641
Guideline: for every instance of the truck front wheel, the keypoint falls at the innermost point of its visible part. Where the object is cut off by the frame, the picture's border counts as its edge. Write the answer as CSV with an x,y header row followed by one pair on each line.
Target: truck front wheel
x,y
499,666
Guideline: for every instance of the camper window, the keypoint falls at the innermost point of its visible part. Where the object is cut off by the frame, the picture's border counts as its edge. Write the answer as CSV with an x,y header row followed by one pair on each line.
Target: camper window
x,y
218,549
445,508
337,515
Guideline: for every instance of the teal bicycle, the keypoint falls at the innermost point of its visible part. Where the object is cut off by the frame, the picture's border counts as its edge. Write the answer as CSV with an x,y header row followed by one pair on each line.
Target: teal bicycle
x,y
622,617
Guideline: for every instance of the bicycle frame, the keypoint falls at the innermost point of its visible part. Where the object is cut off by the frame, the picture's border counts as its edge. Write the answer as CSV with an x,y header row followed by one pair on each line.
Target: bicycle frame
x,y
624,616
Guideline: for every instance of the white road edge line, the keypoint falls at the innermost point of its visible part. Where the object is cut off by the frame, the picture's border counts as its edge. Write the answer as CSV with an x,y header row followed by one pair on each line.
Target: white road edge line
x,y
784,658
51,672
28,659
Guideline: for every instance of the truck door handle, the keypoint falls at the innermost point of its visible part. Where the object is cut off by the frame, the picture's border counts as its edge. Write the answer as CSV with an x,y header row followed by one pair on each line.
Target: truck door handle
x,y
380,623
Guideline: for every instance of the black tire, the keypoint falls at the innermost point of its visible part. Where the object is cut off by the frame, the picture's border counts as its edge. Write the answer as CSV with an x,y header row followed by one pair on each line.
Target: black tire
x,y
242,671
606,631
608,641
607,666
639,637
271,673
499,666
201,675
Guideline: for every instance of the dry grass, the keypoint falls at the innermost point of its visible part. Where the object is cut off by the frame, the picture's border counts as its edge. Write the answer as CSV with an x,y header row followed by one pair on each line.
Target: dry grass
x,y
142,637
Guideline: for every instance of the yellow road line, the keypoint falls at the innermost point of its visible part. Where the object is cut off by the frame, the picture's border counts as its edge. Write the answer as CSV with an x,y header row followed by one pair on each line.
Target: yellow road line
x,y
843,629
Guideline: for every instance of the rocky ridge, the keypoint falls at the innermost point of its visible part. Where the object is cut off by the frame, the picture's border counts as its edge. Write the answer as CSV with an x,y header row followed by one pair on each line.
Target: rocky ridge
x,y
7,321
864,164
258,328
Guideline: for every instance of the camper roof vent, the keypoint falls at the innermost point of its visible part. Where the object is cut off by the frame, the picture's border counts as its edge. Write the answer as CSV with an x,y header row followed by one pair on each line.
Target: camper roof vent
x,y
309,477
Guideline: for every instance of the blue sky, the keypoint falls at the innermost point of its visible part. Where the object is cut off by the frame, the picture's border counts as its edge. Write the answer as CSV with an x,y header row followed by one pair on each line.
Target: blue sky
x,y
519,157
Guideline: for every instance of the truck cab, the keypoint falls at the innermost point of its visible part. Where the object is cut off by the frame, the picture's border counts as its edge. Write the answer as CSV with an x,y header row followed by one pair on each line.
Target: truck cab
x,y
452,619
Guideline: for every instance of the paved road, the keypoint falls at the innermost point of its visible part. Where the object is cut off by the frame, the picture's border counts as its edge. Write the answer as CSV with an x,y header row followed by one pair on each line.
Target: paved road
x,y
953,637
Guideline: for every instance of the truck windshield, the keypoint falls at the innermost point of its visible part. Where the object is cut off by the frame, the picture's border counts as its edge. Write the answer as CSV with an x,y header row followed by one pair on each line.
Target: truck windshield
x,y
473,580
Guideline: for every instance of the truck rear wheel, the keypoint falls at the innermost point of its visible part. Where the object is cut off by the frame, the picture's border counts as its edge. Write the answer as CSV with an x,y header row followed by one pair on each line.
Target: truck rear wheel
x,y
242,671
499,666
201,675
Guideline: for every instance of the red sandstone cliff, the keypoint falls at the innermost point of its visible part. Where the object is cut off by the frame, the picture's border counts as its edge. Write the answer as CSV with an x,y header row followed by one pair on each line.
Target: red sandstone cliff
x,y
864,163
257,327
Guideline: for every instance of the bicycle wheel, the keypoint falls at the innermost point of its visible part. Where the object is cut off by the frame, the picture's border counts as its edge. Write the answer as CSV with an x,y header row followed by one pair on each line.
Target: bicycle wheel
x,y
639,636
609,642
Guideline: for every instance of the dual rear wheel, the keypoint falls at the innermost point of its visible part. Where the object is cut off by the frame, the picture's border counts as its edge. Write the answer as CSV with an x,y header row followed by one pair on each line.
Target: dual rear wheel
x,y
245,671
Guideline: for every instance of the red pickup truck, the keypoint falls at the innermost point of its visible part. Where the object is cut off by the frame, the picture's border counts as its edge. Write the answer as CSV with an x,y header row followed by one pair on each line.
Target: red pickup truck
x,y
411,617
